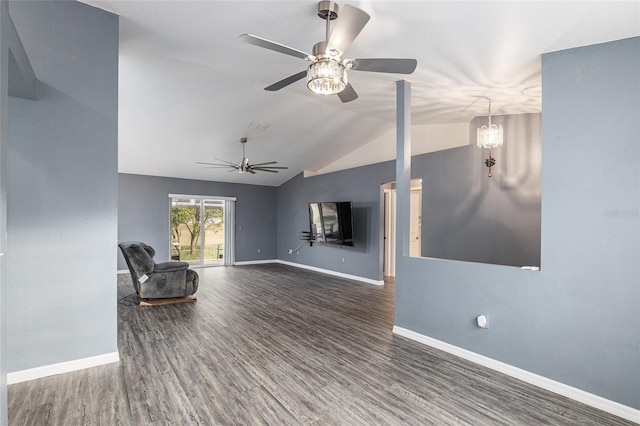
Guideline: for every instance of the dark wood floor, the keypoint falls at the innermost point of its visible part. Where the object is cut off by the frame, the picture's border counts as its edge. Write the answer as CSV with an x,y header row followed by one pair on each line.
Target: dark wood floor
x,y
271,344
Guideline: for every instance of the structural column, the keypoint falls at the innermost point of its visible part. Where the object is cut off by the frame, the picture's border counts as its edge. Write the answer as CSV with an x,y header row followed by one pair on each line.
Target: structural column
x,y
403,166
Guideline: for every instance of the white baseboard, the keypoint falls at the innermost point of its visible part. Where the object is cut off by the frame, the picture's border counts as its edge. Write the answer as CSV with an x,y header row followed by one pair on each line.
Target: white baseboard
x,y
61,367
576,394
330,272
255,262
298,265
312,268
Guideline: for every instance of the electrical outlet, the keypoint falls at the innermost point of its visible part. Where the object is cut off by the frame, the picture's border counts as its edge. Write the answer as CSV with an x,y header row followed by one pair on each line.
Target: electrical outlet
x,y
482,321
258,250
344,260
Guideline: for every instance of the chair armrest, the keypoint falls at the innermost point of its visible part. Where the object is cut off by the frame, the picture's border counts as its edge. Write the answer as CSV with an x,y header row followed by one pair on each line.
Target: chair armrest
x,y
170,266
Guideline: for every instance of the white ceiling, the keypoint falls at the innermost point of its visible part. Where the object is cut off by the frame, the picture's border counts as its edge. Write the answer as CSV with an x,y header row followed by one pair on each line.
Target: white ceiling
x,y
190,89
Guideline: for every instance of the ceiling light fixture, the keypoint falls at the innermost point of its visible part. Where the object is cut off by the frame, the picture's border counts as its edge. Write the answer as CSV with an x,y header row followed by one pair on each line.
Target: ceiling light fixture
x,y
489,136
327,74
244,166
326,77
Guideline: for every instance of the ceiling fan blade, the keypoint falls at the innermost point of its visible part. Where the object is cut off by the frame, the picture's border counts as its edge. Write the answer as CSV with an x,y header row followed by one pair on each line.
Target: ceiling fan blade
x,y
287,81
398,66
217,159
263,170
277,47
218,167
270,167
348,94
225,164
253,172
350,22
264,164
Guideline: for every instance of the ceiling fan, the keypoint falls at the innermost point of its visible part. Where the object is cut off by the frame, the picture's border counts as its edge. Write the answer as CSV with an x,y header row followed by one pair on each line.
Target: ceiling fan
x,y
327,73
244,165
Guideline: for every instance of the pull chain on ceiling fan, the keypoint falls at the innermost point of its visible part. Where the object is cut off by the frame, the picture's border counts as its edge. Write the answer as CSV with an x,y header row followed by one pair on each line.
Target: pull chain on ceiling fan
x,y
327,73
244,165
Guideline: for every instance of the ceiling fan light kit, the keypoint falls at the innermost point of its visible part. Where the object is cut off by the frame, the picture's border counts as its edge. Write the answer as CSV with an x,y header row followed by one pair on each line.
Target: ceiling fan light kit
x,y
327,73
326,77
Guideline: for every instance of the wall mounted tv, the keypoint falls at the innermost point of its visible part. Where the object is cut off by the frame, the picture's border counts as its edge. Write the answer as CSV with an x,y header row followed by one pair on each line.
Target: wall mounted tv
x,y
331,223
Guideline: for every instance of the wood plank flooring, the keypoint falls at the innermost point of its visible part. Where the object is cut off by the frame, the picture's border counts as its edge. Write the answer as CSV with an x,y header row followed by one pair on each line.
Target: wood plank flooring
x,y
276,345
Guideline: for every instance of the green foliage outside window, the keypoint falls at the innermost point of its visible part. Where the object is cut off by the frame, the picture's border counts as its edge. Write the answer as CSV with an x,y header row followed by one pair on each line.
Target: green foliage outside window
x,y
188,218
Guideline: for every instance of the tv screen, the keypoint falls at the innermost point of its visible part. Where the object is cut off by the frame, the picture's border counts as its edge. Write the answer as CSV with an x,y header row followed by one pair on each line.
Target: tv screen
x,y
331,223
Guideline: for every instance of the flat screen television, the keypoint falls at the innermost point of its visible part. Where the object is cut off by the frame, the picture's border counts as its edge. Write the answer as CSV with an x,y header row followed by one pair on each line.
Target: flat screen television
x,y
331,223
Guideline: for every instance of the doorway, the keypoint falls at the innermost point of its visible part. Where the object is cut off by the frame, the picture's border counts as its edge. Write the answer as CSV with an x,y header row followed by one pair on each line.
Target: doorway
x,y
201,230
415,217
389,228
389,239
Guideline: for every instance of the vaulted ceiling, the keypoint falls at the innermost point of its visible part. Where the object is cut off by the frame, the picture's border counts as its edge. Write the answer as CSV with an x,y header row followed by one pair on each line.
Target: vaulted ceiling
x,y
190,88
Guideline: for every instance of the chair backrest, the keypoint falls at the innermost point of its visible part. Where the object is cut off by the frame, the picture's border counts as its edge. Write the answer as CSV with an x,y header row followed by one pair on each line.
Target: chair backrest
x,y
138,258
148,249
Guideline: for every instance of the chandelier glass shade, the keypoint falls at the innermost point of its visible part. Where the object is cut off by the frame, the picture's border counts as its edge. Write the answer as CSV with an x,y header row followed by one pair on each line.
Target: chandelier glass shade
x,y
326,77
489,136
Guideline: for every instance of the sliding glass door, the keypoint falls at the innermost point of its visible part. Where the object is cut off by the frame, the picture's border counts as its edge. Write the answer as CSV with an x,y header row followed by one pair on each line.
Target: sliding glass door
x,y
213,235
185,230
201,230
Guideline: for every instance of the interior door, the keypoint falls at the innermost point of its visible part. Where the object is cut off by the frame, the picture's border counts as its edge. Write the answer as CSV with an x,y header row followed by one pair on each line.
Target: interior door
x,y
415,226
389,267
388,200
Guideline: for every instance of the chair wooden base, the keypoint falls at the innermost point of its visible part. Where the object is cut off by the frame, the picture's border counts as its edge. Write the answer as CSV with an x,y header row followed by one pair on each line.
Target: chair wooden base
x,y
157,302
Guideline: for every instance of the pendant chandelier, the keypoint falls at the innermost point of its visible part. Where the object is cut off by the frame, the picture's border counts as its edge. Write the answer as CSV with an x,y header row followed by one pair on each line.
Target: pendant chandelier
x,y
489,136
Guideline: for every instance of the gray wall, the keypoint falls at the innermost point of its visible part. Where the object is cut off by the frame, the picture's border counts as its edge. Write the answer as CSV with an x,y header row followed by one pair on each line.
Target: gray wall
x,y
469,216
62,188
466,215
576,320
144,213
4,78
361,186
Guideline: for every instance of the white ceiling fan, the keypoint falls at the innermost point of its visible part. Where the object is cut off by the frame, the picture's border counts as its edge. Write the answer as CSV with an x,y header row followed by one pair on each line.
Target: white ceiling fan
x,y
327,73
244,166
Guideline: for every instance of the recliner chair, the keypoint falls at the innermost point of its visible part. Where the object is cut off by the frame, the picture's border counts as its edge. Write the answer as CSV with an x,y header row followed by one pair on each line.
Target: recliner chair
x,y
157,280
